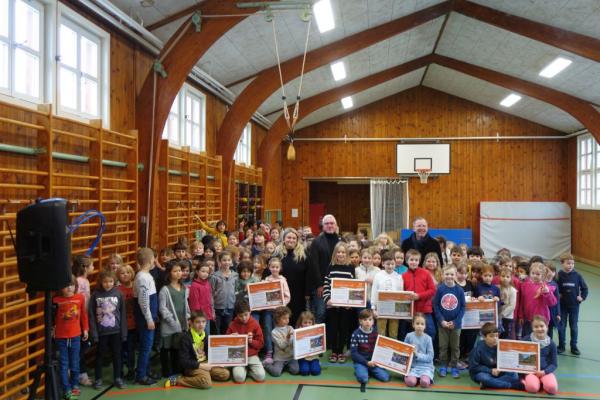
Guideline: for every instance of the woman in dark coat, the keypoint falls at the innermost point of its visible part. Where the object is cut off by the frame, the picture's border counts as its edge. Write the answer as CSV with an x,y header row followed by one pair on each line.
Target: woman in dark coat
x,y
295,268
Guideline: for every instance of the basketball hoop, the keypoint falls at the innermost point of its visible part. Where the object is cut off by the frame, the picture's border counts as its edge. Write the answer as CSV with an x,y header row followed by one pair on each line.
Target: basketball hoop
x,y
423,174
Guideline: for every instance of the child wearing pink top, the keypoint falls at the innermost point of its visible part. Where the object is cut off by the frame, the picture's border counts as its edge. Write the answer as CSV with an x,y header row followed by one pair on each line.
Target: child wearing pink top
x,y
536,297
200,298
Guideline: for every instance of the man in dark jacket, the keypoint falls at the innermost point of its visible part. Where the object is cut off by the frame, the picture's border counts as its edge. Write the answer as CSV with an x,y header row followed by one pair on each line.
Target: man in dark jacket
x,y
421,241
321,251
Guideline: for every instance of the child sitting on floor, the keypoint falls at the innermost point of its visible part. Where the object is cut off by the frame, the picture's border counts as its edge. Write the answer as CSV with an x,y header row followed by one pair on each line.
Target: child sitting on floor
x,y
244,324
548,359
308,365
283,343
422,367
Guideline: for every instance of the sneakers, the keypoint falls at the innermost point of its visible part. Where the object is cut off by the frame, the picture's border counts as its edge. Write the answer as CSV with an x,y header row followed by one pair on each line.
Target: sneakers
x,y
333,358
560,349
76,391
171,381
268,358
119,383
84,380
68,395
575,350
462,365
146,381
363,387
130,375
442,372
98,384
455,374
341,359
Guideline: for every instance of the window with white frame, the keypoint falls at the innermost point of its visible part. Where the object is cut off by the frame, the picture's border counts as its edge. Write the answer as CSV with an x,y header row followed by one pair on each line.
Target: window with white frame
x,y
185,125
21,49
588,172
243,153
79,85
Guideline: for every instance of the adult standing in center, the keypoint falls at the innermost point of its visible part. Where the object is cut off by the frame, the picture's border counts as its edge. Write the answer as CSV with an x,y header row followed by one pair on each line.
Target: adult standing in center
x,y
295,268
321,251
421,241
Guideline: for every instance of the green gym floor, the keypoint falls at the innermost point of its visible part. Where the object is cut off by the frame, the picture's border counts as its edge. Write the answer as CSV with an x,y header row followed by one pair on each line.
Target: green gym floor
x,y
578,377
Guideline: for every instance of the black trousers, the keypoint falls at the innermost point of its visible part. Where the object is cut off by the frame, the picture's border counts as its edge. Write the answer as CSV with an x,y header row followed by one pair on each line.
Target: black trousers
x,y
112,343
339,321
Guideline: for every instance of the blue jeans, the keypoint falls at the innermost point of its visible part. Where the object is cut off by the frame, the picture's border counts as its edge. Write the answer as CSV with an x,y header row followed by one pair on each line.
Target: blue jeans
x,y
312,367
146,339
430,326
506,380
568,314
318,308
267,327
507,325
362,373
223,318
68,361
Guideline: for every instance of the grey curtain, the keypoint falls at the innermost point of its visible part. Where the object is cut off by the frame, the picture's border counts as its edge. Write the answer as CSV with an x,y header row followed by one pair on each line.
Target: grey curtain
x,y
389,205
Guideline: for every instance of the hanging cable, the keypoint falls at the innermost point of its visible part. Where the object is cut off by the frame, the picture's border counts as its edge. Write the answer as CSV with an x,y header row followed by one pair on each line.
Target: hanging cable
x,y
85,217
286,113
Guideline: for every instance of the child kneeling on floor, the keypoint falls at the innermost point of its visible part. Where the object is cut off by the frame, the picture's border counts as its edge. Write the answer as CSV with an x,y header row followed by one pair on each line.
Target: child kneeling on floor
x,y
482,363
422,367
362,345
283,343
197,372
244,324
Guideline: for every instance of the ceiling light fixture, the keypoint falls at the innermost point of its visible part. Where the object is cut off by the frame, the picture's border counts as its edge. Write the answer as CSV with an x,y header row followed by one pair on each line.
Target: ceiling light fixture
x,y
324,15
555,67
347,102
338,69
510,100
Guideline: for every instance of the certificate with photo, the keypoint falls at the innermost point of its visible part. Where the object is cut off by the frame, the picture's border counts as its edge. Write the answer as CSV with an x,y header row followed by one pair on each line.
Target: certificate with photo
x,y
393,355
477,313
518,356
395,305
309,341
228,350
265,295
348,293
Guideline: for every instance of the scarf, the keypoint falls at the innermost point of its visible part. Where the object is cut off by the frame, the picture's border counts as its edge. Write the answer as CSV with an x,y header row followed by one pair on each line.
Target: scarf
x,y
543,342
198,343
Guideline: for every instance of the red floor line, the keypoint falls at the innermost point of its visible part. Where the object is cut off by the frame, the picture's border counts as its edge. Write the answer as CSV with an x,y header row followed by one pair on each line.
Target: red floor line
x,y
329,382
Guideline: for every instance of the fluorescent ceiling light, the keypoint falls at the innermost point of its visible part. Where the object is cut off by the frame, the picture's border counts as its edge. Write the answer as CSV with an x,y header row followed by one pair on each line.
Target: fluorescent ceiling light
x,y
324,15
338,69
555,67
510,100
347,102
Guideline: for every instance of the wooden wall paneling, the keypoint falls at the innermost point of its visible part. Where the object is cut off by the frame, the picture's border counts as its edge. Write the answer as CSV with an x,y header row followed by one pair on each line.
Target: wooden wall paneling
x,y
122,83
480,170
349,203
177,186
214,177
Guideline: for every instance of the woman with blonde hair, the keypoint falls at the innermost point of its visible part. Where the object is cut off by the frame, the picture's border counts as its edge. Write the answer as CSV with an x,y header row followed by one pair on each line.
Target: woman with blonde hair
x,y
295,268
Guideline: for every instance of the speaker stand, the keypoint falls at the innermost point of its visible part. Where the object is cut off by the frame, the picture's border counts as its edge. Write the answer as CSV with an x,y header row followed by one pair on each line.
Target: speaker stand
x,y
49,368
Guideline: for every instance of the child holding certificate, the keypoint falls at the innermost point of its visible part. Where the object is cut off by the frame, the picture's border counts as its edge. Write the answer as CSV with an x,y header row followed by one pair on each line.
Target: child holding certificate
x,y
386,280
267,315
338,318
362,345
422,365
308,365
283,342
197,373
483,363
548,359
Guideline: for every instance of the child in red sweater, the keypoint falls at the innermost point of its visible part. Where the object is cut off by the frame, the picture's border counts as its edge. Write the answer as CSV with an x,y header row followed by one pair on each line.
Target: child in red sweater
x,y
420,281
244,324
200,297
70,326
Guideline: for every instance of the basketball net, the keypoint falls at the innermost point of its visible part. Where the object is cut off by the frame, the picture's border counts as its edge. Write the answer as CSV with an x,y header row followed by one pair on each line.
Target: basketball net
x,y
423,175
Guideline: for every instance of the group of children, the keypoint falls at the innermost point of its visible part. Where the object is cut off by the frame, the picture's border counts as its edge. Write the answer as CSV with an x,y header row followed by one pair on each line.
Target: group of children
x,y
173,302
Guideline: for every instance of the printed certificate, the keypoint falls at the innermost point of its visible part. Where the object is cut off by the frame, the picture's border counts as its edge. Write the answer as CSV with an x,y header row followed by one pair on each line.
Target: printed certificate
x,y
265,295
478,313
228,350
309,341
393,355
348,293
518,356
395,305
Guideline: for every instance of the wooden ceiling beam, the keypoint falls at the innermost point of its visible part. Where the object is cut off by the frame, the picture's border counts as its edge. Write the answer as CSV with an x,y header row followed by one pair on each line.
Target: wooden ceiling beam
x,y
582,45
174,17
179,55
580,109
279,129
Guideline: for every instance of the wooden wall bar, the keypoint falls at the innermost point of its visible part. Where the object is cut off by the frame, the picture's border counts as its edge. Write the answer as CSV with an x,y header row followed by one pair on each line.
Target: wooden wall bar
x,y
480,170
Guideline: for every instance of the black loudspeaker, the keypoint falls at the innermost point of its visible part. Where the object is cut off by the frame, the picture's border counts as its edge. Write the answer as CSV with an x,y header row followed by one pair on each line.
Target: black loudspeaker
x,y
44,245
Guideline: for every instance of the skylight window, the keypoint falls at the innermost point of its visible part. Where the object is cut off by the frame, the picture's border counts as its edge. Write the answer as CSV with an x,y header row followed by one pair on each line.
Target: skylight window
x,y
347,102
324,15
338,69
555,67
510,100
